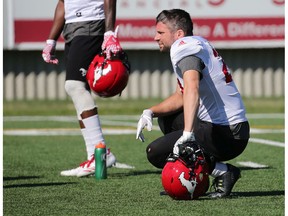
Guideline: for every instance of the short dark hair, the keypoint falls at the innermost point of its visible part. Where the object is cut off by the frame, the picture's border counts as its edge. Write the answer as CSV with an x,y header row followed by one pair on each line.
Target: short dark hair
x,y
177,19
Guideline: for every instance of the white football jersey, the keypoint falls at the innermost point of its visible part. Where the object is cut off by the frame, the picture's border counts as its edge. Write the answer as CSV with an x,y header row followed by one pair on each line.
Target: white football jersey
x,y
83,10
220,100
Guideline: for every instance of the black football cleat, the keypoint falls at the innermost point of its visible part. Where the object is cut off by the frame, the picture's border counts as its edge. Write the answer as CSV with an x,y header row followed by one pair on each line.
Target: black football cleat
x,y
223,184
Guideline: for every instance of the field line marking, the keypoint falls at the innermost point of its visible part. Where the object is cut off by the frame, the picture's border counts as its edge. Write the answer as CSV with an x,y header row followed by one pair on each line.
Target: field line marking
x,y
120,120
267,142
123,166
69,131
252,164
76,132
265,131
62,132
122,117
265,115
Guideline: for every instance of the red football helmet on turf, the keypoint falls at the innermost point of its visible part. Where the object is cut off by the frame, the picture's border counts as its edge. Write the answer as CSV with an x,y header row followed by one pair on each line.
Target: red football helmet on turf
x,y
182,182
106,77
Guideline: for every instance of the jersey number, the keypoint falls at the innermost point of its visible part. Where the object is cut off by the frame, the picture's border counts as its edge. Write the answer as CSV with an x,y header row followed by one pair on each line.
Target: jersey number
x,y
225,70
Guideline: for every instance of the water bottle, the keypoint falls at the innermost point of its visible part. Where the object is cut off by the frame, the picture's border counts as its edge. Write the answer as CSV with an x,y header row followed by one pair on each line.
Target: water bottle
x,y
100,161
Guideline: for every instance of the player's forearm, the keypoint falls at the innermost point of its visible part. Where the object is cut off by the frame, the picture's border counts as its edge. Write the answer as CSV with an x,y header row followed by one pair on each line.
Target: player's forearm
x,y
190,105
110,14
170,105
58,22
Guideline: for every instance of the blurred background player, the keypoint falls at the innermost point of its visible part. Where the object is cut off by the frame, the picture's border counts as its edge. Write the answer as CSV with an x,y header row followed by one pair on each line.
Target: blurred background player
x,y
206,107
87,27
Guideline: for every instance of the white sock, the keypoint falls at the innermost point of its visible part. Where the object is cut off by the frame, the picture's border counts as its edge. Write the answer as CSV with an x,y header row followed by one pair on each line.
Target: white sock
x,y
220,169
88,143
94,133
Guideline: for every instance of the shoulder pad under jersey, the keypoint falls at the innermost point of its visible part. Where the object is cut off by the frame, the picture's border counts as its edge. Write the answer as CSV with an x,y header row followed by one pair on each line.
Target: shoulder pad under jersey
x,y
183,47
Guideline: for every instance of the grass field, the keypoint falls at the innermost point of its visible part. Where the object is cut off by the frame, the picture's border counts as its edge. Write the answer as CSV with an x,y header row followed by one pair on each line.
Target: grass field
x,y
34,154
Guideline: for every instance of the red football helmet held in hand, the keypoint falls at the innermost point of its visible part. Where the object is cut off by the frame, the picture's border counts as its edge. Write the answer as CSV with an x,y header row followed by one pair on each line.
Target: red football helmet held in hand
x,y
108,77
185,182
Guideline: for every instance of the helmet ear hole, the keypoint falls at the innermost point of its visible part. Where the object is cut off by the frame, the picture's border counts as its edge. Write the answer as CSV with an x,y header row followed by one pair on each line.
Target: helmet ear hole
x,y
108,77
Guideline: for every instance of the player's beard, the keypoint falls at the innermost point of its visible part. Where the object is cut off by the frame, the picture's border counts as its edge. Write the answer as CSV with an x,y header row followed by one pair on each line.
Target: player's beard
x,y
162,47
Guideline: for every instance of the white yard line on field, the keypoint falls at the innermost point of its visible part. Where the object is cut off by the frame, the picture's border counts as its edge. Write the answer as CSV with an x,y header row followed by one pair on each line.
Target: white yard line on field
x,y
252,164
267,142
62,132
123,166
69,118
265,131
265,115
120,120
122,117
108,131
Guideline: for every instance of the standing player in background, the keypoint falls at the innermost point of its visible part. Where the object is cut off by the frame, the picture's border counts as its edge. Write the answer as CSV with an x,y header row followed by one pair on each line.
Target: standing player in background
x,y
84,23
206,107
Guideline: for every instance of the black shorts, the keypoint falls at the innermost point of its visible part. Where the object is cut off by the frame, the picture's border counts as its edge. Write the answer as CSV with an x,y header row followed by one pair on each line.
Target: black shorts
x,y
79,53
219,143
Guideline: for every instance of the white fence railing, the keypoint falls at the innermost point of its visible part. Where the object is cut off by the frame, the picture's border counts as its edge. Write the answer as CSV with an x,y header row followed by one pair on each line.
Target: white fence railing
x,y
148,84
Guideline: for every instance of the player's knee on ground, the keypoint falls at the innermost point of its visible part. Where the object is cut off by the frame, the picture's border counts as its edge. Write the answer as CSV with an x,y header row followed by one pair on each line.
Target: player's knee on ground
x,y
159,150
155,157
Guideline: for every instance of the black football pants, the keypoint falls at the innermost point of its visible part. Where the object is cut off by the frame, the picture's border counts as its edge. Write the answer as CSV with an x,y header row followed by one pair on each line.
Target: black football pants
x,y
219,142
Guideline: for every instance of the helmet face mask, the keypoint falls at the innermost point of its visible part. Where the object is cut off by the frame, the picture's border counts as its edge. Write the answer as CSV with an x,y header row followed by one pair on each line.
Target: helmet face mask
x,y
108,77
183,181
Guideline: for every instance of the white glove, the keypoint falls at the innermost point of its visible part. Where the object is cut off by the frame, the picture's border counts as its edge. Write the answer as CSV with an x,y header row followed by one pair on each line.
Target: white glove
x,y
186,136
144,121
111,43
48,52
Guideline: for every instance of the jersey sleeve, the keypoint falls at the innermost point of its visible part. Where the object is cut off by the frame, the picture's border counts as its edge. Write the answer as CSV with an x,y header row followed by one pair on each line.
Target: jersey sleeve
x,y
191,63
